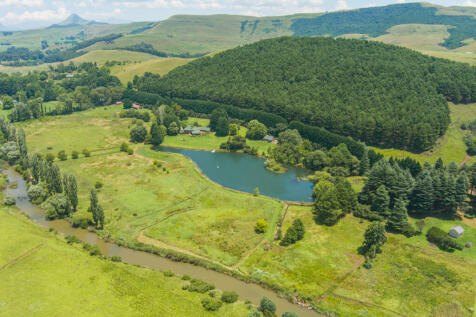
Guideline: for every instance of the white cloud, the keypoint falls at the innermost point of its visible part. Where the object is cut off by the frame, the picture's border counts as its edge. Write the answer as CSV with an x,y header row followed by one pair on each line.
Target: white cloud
x,y
36,16
341,5
25,3
470,3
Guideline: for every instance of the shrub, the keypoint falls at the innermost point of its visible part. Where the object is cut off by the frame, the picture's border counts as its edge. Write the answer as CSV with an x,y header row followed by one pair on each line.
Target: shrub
x,y
70,239
57,206
186,277
38,193
168,273
92,249
116,258
261,226
442,240
86,153
229,297
289,314
62,155
138,134
98,185
9,200
130,151
80,222
211,304
266,305
74,155
124,147
200,286
49,157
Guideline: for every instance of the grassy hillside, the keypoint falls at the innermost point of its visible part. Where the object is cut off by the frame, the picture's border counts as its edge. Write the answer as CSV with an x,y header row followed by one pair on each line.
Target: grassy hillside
x,y
57,37
102,56
154,65
41,275
204,34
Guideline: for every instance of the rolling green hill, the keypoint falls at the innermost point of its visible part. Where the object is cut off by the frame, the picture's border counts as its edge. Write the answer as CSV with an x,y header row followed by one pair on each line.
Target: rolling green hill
x,y
383,95
446,32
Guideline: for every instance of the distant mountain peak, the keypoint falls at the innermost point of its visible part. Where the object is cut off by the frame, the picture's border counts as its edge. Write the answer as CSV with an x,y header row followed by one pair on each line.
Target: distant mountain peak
x,y
74,20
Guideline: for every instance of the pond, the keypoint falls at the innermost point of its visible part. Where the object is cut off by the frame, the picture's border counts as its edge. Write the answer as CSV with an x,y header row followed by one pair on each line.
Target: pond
x,y
245,172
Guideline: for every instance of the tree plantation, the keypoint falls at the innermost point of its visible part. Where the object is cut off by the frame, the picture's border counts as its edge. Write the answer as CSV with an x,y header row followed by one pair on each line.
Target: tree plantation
x,y
382,95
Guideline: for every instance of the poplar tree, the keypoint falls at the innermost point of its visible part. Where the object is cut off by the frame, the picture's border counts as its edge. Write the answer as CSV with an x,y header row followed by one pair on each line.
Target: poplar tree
x,y
71,190
96,209
53,180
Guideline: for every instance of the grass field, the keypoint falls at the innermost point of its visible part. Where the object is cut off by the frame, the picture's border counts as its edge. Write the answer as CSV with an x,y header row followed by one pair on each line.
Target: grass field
x,y
41,275
102,56
409,278
210,141
159,66
177,206
451,146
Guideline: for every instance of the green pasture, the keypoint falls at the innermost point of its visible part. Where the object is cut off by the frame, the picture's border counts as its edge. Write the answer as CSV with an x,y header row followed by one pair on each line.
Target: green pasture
x,y
41,275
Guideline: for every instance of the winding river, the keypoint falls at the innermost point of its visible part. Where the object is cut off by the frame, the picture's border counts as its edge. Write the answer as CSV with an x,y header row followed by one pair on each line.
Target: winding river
x,y
246,172
250,291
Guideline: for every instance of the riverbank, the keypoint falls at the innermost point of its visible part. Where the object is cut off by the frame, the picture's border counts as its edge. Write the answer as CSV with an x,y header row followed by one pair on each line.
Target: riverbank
x,y
249,291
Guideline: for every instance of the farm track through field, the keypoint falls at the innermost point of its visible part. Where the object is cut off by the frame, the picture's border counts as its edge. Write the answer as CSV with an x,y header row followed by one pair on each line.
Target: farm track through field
x,y
20,257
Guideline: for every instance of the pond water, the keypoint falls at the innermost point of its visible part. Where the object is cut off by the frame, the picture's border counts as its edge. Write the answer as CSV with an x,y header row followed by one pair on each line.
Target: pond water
x,y
245,172
250,291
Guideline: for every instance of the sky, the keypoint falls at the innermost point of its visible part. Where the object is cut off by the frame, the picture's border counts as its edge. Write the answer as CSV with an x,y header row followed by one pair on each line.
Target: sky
x,y
21,14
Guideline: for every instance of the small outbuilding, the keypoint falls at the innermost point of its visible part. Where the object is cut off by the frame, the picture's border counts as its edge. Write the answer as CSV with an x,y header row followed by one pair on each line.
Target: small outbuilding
x,y
136,106
456,231
268,138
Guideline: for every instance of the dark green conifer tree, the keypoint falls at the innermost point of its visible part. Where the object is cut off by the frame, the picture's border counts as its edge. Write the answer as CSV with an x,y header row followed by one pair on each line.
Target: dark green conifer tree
x,y
381,201
364,166
398,219
422,197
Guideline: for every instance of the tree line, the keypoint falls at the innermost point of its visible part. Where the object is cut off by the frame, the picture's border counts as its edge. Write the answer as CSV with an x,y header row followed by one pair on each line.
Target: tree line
x,y
56,192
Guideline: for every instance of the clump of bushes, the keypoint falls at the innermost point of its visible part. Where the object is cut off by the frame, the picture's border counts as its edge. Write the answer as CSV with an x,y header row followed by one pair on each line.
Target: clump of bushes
x,y
267,307
98,185
168,273
211,304
70,239
74,155
199,286
80,223
294,233
62,155
229,297
124,147
92,249
38,193
116,258
261,226
86,153
9,200
443,240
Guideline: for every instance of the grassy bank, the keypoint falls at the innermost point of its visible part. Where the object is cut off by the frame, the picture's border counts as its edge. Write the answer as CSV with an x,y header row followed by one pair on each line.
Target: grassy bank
x,y
409,278
41,275
173,205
